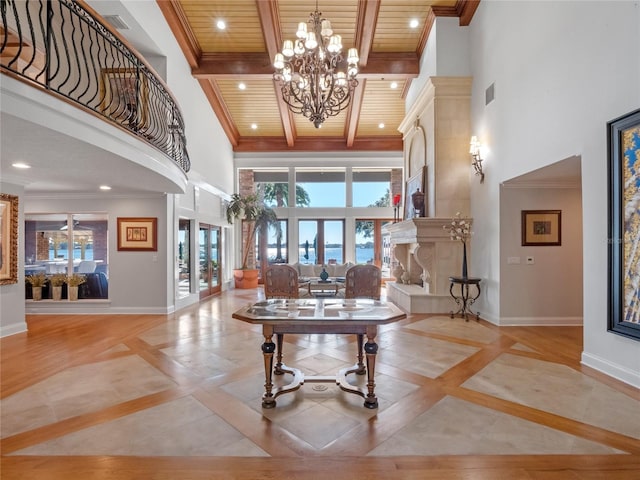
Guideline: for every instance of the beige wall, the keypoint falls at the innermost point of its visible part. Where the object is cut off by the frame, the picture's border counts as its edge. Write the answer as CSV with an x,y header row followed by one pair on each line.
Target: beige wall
x,y
550,290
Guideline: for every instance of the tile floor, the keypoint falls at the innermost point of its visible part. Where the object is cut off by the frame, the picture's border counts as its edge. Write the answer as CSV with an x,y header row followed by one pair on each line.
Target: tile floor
x,y
192,387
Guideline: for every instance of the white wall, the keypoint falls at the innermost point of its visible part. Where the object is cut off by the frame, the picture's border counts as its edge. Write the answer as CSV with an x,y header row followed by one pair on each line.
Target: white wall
x,y
12,295
209,149
561,71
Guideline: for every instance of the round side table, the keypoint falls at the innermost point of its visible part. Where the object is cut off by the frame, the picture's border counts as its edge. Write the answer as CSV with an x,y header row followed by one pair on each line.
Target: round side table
x,y
464,300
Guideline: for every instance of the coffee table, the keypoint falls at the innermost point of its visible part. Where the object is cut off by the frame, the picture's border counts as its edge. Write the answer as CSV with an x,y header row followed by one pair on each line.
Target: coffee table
x,y
320,316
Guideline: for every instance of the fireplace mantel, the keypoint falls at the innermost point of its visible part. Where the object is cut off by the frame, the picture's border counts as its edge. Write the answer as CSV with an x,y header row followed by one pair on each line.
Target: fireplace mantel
x,y
426,257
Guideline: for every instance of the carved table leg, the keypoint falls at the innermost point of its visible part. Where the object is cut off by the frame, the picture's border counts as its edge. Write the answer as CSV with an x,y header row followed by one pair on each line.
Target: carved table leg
x,y
361,369
371,349
268,347
279,340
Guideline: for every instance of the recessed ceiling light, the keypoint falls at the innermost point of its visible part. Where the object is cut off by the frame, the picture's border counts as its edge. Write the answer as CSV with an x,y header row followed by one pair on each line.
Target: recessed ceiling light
x,y
20,165
221,25
254,126
413,23
105,187
242,86
394,85
381,125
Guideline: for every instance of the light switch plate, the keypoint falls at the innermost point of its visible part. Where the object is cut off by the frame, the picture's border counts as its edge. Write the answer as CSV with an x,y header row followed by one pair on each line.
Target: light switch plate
x,y
530,260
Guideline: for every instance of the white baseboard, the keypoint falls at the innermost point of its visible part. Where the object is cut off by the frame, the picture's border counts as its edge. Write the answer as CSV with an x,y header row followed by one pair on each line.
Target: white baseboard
x,y
539,321
13,328
611,369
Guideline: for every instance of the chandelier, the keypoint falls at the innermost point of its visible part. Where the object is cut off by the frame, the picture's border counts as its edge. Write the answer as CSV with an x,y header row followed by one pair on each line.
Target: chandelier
x,y
315,80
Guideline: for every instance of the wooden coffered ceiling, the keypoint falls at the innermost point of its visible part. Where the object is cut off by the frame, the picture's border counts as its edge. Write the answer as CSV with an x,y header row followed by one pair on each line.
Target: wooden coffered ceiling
x,y
389,51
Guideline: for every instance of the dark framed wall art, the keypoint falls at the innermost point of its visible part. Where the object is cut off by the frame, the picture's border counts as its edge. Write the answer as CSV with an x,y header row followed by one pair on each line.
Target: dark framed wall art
x,y
623,142
541,227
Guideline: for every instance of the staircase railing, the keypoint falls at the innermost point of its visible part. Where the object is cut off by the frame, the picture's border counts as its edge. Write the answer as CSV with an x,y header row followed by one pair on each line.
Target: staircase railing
x,y
61,46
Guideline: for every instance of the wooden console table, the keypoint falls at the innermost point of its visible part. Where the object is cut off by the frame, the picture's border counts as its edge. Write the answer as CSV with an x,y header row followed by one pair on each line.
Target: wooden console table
x,y
464,300
333,316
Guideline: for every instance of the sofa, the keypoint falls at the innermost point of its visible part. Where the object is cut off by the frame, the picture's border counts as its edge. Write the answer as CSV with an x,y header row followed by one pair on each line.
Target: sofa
x,y
309,270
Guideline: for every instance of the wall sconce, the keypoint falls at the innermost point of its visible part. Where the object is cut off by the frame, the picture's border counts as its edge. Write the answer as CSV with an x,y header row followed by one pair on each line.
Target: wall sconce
x,y
474,150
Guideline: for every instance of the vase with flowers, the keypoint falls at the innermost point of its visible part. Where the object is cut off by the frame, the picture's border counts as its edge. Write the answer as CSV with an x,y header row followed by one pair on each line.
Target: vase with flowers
x,y
73,281
460,230
57,281
37,281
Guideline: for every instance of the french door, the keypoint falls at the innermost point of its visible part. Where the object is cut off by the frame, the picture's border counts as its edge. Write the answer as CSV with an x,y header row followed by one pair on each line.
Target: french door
x,y
209,239
369,244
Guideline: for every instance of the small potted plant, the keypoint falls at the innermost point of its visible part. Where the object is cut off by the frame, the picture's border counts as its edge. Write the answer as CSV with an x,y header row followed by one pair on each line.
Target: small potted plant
x,y
259,218
73,281
37,281
57,281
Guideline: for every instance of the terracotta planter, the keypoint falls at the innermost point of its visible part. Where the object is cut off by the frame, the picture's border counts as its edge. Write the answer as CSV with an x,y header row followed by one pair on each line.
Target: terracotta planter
x,y
246,278
56,293
36,293
73,293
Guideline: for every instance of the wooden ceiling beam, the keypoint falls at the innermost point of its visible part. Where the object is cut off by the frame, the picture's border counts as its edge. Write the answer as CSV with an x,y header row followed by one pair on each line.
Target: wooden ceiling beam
x,y
353,114
270,22
365,28
325,144
466,9
401,65
179,24
220,109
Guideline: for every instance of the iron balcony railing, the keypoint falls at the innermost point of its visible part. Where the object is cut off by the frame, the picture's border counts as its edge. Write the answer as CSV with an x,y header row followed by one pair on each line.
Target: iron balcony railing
x,y
61,46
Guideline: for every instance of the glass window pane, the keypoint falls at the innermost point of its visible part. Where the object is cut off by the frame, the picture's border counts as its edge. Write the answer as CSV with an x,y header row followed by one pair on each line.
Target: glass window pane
x,y
334,241
184,268
364,241
272,186
308,236
277,244
325,188
371,187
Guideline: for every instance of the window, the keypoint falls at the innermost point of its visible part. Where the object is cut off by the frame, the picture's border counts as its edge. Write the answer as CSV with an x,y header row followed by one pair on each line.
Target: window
x,y
324,187
273,187
69,243
184,262
371,187
321,241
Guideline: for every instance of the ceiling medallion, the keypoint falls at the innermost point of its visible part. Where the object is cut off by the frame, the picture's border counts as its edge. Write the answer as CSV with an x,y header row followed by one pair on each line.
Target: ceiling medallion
x,y
315,80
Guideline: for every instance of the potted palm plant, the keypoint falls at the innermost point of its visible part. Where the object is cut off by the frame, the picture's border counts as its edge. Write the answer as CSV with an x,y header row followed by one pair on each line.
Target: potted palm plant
x,y
258,218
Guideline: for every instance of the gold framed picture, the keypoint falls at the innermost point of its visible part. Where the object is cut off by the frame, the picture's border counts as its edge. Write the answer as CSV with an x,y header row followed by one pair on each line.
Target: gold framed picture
x,y
8,239
137,234
541,228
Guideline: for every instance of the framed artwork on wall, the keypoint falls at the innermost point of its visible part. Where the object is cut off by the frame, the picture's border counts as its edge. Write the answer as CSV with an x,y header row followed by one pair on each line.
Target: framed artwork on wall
x,y
541,228
125,96
137,234
623,142
416,182
8,239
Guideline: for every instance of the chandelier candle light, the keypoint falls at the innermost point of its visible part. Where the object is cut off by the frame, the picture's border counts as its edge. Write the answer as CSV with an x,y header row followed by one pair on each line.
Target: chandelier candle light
x,y
315,80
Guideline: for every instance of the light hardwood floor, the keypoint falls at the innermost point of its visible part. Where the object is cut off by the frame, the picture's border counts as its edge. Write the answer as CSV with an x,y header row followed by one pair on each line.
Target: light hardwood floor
x,y
178,397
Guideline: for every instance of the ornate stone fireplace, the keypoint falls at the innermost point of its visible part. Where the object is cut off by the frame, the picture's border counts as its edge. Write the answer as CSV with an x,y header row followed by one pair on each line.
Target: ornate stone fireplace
x,y
426,257
436,137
